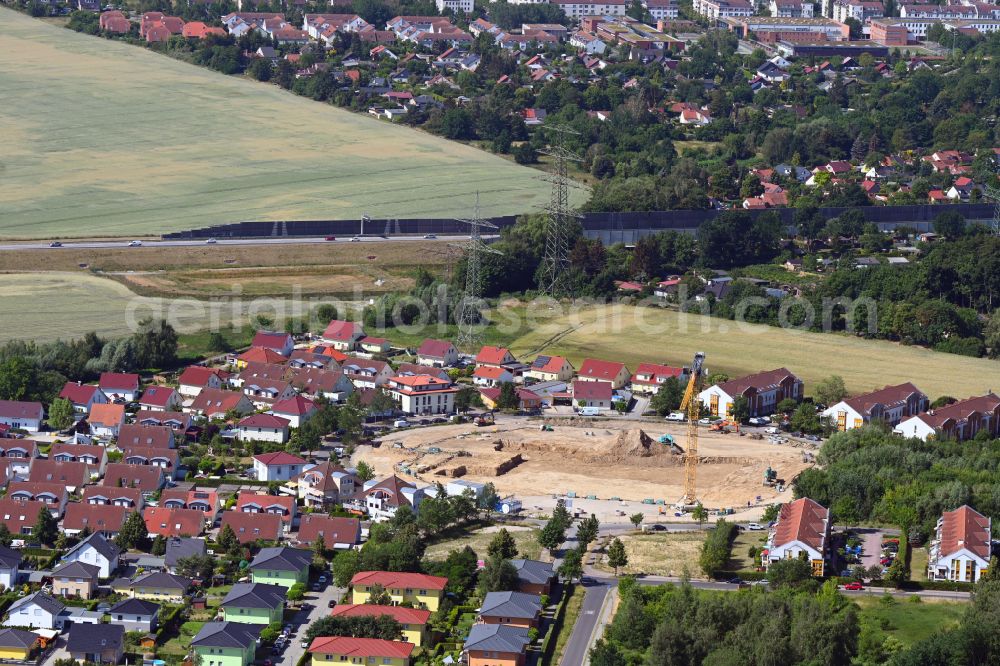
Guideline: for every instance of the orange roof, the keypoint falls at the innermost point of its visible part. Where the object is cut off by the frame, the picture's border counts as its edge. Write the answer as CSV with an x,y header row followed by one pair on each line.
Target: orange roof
x,y
492,355
396,580
401,614
489,372
262,355
421,380
606,370
965,528
361,647
107,415
803,520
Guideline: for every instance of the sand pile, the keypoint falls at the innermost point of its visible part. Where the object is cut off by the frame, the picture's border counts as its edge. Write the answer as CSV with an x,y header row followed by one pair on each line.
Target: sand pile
x,y
631,445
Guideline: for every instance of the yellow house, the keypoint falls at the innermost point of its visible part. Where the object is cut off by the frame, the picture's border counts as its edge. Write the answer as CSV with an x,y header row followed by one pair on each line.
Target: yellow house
x,y
342,649
420,590
17,644
413,620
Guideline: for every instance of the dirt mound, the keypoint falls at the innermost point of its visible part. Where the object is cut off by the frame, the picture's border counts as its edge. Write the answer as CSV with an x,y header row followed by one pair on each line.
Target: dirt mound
x,y
634,444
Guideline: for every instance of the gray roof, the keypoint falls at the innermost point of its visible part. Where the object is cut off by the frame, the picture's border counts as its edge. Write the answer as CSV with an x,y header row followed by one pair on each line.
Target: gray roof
x,y
42,600
95,638
255,595
9,557
135,607
533,571
77,570
17,638
511,604
106,548
181,547
282,558
227,634
497,638
161,579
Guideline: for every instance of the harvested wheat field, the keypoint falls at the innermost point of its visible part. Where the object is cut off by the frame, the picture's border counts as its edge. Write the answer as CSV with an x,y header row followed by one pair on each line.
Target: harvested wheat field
x,y
601,458
659,554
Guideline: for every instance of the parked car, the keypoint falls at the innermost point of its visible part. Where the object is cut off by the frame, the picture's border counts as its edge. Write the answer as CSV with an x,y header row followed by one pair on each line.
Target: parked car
x,y
655,528
755,527
211,241
676,416
854,586
321,580
759,420
316,587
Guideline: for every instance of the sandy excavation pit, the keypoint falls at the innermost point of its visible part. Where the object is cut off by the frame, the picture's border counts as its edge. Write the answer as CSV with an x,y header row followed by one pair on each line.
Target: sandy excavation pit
x,y
602,458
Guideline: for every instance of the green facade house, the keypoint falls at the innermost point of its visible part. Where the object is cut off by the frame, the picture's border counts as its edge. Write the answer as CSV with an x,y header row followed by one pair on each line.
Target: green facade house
x,y
254,603
226,644
281,566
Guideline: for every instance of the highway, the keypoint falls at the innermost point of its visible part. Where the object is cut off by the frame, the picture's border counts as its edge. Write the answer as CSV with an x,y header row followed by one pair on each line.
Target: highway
x,y
267,240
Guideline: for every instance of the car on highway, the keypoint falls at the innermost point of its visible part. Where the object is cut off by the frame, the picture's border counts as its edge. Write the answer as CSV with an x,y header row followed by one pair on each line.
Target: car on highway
x,y
356,239
654,528
330,238
211,241
55,244
854,586
429,236
755,527
135,243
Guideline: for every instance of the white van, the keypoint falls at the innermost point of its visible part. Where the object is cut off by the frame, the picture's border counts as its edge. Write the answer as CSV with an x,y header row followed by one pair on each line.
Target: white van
x,y
401,423
676,416
590,411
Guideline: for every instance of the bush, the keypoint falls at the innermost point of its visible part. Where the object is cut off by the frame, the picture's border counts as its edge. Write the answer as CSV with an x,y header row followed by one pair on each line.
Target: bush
x,y
717,547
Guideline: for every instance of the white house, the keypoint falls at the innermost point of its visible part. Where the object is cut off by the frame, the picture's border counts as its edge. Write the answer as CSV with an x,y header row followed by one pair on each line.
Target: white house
x,y
803,526
161,399
197,377
367,373
763,392
455,5
98,551
593,370
120,385
960,550
437,353
649,377
383,498
263,428
592,394
278,466
422,394
959,420
38,611
10,560
343,335
83,397
487,375
891,404
21,415
296,410
17,454
580,8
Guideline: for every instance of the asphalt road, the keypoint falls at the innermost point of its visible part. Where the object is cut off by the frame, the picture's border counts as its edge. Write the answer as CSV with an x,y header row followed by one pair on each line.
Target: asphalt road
x,y
318,606
281,240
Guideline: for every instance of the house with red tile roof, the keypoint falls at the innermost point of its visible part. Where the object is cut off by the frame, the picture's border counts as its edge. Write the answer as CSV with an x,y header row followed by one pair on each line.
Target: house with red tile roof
x,y
16,455
255,372
649,377
597,395
160,399
20,517
437,353
763,391
95,457
802,529
419,590
147,478
278,466
262,428
329,350
343,335
550,368
491,375
197,377
120,385
215,403
527,400
166,459
381,499
114,21
337,533
413,620
360,650
106,420
250,527
366,373
890,405
296,409
937,197
264,393
149,436
74,475
330,383
961,189
83,397
283,343
309,359
959,421
55,495
204,500
198,30
279,505
259,355
494,356
167,522
594,370
961,548
130,498
21,414
105,519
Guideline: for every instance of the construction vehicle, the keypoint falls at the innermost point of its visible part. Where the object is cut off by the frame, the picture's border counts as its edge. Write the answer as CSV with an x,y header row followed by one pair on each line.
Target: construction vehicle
x,y
485,419
725,426
546,428
667,440
691,405
770,476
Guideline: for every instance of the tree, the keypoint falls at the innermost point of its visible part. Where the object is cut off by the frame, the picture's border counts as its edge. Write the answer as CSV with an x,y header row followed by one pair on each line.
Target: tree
x,y
503,544
571,567
552,535
344,566
498,575
606,653
831,390
668,397
159,546
218,343
228,542
350,418
790,572
771,513
740,411
700,514
378,596
6,538
327,312
586,531
296,593
991,334
133,533
196,566
508,397
951,225
805,419
636,519
467,398
383,627
489,497
46,529
60,414
18,379
365,472
617,557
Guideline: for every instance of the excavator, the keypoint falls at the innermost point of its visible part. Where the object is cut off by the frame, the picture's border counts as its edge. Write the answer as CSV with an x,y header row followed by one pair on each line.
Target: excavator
x,y
691,406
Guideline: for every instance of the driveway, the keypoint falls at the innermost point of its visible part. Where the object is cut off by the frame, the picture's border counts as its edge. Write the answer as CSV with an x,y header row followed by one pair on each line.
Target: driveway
x,y
58,652
871,546
313,607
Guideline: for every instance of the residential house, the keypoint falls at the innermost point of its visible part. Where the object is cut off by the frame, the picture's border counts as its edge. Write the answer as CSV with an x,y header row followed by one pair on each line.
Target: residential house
x,y
130,498
106,420
343,335
366,373
960,420
490,376
159,586
437,353
168,522
103,519
330,383
371,345
22,415
226,643
763,392
307,358
53,495
136,615
383,498
412,620
259,356
205,500
179,548
891,405
75,579
262,428
419,590
961,548
255,372
534,577
114,21
20,516
93,456
278,505
594,370
597,395
527,400
961,189
196,378
96,643
254,603
73,475
37,610
95,551
147,478
217,404
10,562
802,530
283,343
161,399
166,459
494,357
496,645
296,409
83,397
515,608
161,435
342,649
281,566
18,455
649,377
404,369
264,393
278,466
120,386
422,394
252,527
324,485
17,645
336,533
550,368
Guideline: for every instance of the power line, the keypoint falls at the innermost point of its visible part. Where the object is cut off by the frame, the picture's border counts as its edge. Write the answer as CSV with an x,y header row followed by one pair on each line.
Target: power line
x,y
470,306
555,261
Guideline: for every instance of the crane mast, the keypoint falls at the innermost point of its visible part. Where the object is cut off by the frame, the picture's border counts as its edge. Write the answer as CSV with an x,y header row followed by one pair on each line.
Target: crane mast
x,y
691,406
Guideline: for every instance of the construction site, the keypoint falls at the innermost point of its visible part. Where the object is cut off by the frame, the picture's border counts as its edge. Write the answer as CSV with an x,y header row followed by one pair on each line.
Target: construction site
x,y
595,459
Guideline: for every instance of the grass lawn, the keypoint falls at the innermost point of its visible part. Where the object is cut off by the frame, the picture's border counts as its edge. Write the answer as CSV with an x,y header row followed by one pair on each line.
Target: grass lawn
x,y
918,563
739,560
180,644
906,621
629,334
525,537
660,554
169,146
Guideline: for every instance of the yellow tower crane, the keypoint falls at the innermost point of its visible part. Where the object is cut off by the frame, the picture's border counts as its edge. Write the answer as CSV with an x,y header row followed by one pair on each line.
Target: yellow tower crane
x,y
691,406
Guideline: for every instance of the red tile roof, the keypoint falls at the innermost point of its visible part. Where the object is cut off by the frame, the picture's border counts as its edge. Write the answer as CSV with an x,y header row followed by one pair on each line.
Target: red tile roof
x,y
489,372
604,370
396,580
75,474
271,340
157,396
279,458
341,331
196,375
267,504
492,355
583,390
802,520
173,522
119,381
261,355
361,647
334,530
263,421
98,517
17,514
657,373
112,493
253,526
78,394
434,348
551,364
961,410
216,401
888,397
156,436
20,409
146,478
965,528
296,405
401,614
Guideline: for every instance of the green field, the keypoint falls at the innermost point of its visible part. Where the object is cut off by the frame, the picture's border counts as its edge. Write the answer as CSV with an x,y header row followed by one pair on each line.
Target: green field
x,y
906,621
479,540
103,138
630,334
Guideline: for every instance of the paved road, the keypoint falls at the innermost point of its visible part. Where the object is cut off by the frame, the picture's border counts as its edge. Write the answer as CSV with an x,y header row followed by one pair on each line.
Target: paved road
x,y
585,630
318,606
281,240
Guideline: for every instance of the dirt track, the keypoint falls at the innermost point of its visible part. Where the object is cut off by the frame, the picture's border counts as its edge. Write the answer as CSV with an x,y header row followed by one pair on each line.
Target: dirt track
x,y
602,458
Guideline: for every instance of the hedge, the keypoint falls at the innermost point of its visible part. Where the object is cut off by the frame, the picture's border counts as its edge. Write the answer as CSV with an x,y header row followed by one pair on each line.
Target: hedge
x,y
549,642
